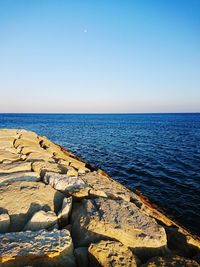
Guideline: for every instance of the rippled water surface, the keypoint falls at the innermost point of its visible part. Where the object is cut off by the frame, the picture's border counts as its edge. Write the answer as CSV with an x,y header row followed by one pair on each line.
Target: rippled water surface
x,y
159,154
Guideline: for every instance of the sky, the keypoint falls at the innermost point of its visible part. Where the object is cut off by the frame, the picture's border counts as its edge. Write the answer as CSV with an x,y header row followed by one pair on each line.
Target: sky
x,y
102,56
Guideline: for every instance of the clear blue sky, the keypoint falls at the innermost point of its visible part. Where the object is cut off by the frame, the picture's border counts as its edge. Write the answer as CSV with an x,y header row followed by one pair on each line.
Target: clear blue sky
x,y
100,56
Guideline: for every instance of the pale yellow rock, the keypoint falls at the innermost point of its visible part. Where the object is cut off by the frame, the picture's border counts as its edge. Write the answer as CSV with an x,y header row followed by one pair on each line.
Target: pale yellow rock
x,y
72,172
44,166
18,166
6,142
23,199
22,142
111,253
7,155
37,249
35,156
8,132
27,150
117,220
27,134
103,186
170,261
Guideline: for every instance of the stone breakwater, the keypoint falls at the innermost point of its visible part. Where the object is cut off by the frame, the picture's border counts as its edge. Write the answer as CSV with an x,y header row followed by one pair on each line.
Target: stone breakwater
x,y
56,210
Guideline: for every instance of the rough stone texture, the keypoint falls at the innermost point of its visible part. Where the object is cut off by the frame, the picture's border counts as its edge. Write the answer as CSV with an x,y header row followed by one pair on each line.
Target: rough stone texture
x,y
42,166
19,166
65,211
103,186
23,199
111,253
171,261
41,220
44,155
4,222
81,255
18,177
71,185
101,218
7,155
35,249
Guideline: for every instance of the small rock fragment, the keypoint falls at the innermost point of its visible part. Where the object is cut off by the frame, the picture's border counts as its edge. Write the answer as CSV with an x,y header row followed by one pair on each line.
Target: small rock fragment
x,y
111,253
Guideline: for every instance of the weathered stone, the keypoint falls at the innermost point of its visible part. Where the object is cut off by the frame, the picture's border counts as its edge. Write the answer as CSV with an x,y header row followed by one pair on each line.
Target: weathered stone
x,y
27,150
65,211
19,166
119,220
4,222
79,166
7,155
41,220
18,177
71,185
24,142
23,199
8,132
36,156
45,166
103,186
6,142
81,255
72,172
111,253
41,248
170,261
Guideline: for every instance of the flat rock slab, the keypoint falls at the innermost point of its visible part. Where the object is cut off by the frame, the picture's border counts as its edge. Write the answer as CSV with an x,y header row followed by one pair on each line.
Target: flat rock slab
x,y
103,218
19,177
41,248
111,253
19,166
22,199
74,186
103,186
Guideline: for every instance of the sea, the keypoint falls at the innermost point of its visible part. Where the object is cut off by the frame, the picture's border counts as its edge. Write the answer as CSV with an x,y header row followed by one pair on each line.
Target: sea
x,y
157,154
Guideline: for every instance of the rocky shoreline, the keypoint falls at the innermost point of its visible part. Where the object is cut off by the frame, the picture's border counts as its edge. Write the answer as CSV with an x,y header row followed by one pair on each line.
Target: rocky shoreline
x,y
56,210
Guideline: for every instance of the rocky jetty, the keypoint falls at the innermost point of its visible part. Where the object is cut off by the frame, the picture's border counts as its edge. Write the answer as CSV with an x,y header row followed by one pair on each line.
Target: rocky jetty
x,y
56,210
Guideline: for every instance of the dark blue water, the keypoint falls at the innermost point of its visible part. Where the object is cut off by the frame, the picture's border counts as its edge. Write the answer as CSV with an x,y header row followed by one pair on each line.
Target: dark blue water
x,y
158,154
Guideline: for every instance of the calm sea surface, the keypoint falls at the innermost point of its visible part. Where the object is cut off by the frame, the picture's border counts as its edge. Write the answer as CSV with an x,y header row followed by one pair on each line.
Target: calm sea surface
x,y
158,154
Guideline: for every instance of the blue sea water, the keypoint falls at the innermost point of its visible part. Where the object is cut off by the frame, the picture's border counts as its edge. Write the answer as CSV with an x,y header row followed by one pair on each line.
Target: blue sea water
x,y
158,154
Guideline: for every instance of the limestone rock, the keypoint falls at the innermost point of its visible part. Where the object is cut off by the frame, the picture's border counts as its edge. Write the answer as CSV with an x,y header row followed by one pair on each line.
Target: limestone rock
x,y
81,255
104,186
7,155
72,172
8,132
111,253
41,220
4,222
71,185
19,166
25,142
42,166
170,261
44,155
23,199
65,211
18,177
41,248
119,220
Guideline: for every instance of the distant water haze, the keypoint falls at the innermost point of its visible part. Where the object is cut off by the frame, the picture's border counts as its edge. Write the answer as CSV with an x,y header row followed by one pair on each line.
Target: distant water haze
x,y
99,56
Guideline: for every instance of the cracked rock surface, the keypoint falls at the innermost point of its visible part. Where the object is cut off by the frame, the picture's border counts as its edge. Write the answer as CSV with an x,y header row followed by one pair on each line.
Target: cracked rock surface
x,y
55,210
